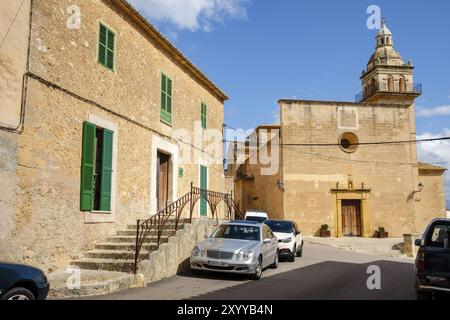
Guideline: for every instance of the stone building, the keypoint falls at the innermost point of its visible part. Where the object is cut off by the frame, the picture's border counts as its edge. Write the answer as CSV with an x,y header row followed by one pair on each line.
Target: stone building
x,y
99,112
334,170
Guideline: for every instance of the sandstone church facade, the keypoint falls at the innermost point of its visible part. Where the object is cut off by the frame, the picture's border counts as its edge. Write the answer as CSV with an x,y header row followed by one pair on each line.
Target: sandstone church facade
x,y
92,96
353,186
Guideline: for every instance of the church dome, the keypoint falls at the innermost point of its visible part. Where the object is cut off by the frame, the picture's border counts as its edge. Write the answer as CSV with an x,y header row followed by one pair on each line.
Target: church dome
x,y
385,53
387,56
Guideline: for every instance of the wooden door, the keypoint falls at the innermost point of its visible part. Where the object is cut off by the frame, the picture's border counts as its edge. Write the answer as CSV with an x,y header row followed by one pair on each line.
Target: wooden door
x,y
351,218
162,180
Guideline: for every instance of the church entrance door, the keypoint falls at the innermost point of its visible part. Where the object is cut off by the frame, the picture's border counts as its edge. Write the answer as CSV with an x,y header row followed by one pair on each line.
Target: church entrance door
x,y
351,218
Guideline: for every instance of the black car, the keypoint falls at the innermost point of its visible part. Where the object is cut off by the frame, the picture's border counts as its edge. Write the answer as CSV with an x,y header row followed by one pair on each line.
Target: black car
x,y
20,282
433,261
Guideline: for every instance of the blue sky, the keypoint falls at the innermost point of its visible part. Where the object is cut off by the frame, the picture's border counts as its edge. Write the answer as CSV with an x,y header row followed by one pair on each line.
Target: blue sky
x,y
259,51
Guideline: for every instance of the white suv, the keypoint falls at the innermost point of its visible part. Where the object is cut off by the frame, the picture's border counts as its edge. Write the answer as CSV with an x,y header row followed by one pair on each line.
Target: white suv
x,y
257,216
290,240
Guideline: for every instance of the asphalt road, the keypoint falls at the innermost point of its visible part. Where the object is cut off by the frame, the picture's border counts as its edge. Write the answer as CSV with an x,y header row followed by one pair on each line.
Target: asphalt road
x,y
323,273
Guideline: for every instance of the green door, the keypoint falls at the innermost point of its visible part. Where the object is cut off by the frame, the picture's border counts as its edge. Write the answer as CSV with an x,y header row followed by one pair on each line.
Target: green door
x,y
203,186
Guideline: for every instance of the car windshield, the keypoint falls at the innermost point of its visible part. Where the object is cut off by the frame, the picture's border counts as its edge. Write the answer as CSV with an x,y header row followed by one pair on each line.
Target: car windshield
x,y
255,218
280,226
237,232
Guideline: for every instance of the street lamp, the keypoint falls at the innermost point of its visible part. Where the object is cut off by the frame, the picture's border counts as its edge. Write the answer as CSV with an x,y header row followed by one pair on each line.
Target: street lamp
x,y
421,186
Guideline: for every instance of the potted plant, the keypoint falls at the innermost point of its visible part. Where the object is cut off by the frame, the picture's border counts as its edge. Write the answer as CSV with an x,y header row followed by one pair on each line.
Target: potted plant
x,y
324,231
381,233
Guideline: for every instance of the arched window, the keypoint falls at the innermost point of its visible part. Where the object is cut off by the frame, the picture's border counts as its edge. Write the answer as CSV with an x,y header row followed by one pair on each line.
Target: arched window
x,y
390,84
401,85
373,86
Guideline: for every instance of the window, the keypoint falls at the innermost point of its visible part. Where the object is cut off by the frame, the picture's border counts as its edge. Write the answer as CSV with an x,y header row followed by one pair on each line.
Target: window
x,y
106,47
166,99
349,142
401,85
96,168
390,84
439,236
204,109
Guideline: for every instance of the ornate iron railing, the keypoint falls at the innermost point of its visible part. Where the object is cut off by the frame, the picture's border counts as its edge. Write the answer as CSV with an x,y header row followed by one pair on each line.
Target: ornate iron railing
x,y
173,212
372,90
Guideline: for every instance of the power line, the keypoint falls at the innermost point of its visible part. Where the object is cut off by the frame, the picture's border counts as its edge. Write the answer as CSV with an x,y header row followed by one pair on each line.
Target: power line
x,y
354,144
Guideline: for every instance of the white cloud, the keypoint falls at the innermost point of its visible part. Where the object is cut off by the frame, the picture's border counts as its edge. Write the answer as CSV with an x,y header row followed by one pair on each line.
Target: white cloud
x,y
437,152
431,112
192,14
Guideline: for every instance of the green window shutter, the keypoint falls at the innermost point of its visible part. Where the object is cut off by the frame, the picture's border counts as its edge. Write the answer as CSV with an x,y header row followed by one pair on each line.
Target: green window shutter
x,y
106,47
87,167
107,163
203,186
111,48
102,44
204,109
166,99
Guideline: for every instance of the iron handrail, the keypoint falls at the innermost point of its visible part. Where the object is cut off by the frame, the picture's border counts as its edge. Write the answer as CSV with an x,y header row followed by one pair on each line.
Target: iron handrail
x,y
158,222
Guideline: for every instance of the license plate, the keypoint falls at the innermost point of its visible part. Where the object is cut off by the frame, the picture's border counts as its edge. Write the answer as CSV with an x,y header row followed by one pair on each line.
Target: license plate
x,y
217,264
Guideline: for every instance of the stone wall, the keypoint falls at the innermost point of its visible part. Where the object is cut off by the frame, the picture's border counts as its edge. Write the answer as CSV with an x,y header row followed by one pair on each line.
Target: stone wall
x,y
14,29
172,257
70,87
430,203
13,58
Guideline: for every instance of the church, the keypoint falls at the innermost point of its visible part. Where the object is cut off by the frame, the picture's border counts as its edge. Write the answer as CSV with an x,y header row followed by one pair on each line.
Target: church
x,y
350,165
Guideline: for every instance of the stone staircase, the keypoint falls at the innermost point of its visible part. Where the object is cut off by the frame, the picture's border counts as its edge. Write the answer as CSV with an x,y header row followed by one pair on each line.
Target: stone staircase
x,y
117,252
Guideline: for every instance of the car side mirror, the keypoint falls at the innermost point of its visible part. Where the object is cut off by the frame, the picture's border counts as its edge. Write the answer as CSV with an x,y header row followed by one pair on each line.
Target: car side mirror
x,y
418,242
267,241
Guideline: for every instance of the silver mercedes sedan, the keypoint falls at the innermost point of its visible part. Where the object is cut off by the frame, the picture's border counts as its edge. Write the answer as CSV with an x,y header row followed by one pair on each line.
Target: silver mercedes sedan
x,y
242,247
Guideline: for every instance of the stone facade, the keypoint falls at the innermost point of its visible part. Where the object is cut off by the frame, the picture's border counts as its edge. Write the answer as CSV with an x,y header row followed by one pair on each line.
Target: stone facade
x,y
66,87
333,169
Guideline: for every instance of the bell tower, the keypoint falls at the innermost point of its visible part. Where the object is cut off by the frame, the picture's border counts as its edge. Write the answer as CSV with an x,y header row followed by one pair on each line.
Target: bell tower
x,y
388,79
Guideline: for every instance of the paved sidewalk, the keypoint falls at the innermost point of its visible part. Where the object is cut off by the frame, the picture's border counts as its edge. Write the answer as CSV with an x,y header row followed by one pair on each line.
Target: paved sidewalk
x,y
390,247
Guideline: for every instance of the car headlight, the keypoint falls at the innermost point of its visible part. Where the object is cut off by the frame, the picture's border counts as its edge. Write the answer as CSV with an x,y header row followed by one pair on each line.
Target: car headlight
x,y
244,256
247,255
197,252
287,240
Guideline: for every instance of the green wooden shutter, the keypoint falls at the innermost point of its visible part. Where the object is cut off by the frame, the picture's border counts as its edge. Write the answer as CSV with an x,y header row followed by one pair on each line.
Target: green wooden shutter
x,y
106,47
169,98
111,48
204,111
87,167
166,99
107,163
203,186
103,35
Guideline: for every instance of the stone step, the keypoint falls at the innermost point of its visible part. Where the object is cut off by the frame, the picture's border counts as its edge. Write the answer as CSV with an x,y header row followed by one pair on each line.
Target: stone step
x,y
105,264
130,238
93,283
124,246
153,233
115,254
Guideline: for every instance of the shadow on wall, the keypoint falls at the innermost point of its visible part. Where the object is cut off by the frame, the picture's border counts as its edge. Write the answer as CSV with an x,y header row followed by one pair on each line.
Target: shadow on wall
x,y
324,281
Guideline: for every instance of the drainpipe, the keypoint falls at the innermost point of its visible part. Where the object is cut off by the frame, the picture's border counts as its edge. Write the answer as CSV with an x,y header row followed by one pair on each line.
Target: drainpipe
x,y
19,128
